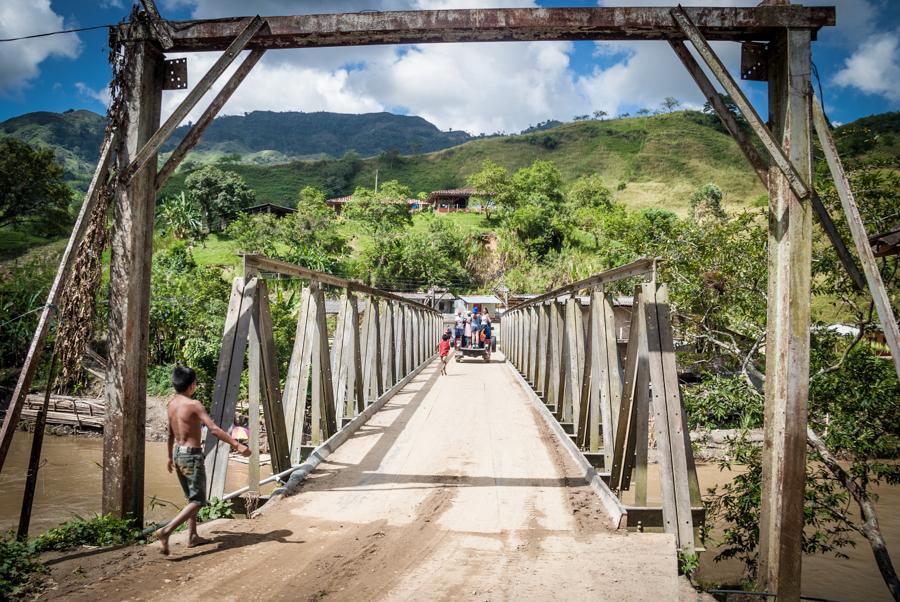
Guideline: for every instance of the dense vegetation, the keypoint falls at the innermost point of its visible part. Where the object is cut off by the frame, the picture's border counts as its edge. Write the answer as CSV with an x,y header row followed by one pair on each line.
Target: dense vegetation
x,y
567,202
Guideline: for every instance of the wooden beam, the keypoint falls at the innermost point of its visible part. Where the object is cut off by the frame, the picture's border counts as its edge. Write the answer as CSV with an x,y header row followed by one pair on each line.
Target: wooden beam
x,y
193,136
228,381
275,266
54,296
151,147
639,267
131,256
787,336
798,183
297,380
858,231
496,24
756,161
276,433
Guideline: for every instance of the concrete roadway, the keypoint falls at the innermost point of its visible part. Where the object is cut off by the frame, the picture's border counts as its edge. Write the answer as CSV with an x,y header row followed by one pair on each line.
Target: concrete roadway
x,y
455,490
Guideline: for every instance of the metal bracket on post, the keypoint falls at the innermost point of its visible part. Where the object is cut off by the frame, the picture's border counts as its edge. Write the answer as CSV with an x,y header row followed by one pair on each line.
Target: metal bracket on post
x,y
176,74
755,61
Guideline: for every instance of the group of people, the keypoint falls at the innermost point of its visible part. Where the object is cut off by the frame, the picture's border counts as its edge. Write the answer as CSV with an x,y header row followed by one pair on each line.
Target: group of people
x,y
472,330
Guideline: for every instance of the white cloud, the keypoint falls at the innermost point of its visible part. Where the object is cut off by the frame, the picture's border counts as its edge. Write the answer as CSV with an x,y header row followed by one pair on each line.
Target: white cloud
x,y
102,95
20,60
874,67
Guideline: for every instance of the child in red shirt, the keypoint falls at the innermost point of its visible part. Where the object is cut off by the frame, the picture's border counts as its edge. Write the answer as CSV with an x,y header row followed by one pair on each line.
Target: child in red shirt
x,y
444,350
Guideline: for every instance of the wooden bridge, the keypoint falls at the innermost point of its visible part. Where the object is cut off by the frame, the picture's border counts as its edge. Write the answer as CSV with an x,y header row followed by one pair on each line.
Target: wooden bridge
x,y
398,482
560,349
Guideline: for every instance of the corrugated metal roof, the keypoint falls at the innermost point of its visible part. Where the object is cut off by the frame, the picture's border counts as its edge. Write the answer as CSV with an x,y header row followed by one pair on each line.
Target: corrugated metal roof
x,y
491,299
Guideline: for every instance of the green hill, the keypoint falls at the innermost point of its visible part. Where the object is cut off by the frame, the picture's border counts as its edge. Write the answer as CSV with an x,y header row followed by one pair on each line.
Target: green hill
x,y
75,136
320,134
649,161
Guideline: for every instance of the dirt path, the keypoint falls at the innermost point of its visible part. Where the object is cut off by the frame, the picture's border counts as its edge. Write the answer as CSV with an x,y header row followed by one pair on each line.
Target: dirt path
x,y
455,490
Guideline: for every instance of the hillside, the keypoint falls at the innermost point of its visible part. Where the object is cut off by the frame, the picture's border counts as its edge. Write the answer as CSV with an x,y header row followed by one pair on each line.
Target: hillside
x,y
320,134
650,161
75,136
260,137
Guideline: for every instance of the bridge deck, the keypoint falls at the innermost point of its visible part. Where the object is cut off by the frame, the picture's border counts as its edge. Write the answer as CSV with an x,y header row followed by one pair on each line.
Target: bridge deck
x,y
455,490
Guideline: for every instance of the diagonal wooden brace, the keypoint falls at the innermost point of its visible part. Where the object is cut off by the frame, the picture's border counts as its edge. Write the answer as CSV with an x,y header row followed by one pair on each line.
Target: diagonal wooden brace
x,y
857,229
193,136
149,150
759,165
779,158
33,359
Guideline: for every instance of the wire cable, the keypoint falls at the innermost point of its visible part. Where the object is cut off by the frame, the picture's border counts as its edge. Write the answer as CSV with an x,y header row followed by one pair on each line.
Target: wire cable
x,y
53,33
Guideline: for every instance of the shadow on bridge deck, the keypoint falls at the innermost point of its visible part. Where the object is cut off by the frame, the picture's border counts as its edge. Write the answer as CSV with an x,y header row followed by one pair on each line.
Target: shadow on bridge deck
x,y
456,489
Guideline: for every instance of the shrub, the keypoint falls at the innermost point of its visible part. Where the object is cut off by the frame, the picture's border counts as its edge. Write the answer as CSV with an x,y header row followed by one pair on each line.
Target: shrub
x,y
99,531
18,567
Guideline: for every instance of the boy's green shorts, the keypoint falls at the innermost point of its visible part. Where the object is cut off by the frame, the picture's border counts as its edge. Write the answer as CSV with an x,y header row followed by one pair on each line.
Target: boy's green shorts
x,y
191,470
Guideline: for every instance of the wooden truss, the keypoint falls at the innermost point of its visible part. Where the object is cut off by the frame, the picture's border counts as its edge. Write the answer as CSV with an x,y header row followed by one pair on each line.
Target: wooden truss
x,y
327,384
567,348
777,38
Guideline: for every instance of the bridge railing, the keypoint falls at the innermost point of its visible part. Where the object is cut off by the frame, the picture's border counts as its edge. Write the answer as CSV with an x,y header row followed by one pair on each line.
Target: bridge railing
x,y
378,339
568,349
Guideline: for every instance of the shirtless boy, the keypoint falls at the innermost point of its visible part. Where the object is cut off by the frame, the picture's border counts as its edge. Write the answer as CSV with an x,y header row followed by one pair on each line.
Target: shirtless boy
x,y
186,416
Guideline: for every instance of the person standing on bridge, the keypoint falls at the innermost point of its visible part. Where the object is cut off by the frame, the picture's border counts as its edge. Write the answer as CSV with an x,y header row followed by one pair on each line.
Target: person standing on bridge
x,y
186,416
444,351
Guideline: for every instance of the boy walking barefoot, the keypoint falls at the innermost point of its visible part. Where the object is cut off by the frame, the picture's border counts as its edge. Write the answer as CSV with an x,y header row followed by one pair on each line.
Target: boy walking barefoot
x,y
186,416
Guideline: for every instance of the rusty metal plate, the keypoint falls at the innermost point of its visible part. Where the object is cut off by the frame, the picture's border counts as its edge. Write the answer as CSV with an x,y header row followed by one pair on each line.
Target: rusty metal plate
x,y
176,74
754,61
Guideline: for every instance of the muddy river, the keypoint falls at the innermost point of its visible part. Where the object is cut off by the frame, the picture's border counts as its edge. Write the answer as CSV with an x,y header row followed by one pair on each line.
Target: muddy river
x,y
70,480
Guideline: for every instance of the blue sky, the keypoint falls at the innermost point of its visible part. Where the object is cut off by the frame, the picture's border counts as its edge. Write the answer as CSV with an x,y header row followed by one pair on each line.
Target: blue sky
x,y
478,88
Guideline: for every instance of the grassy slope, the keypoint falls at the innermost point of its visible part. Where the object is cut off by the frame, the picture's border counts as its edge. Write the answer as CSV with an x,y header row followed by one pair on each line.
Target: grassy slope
x,y
661,159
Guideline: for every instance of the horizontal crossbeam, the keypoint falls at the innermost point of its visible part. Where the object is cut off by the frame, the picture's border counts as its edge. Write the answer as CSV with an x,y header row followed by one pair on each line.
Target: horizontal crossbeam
x,y
261,263
494,25
638,267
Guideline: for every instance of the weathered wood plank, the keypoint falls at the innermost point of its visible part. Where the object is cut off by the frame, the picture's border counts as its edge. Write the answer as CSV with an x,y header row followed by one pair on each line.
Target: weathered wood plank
x,y
858,231
787,335
131,255
497,24
276,433
297,380
228,380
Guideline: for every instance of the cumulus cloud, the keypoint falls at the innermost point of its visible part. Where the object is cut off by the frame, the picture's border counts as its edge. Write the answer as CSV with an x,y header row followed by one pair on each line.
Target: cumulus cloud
x,y
20,61
874,68
475,87
102,95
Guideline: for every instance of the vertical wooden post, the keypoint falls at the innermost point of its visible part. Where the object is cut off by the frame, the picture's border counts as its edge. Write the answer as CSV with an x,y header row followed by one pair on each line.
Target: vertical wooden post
x,y
228,381
541,343
324,422
129,296
297,381
338,354
388,353
273,410
254,393
556,383
787,337
355,381
570,362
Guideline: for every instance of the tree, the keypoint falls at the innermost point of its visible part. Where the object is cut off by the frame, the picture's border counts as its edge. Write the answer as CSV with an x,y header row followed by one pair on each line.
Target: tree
x,y
493,179
706,203
670,103
32,191
643,111
600,114
589,191
180,216
381,212
219,195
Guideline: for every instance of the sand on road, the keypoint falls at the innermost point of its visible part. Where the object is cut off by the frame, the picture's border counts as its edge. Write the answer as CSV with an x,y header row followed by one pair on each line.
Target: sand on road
x,y
455,490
